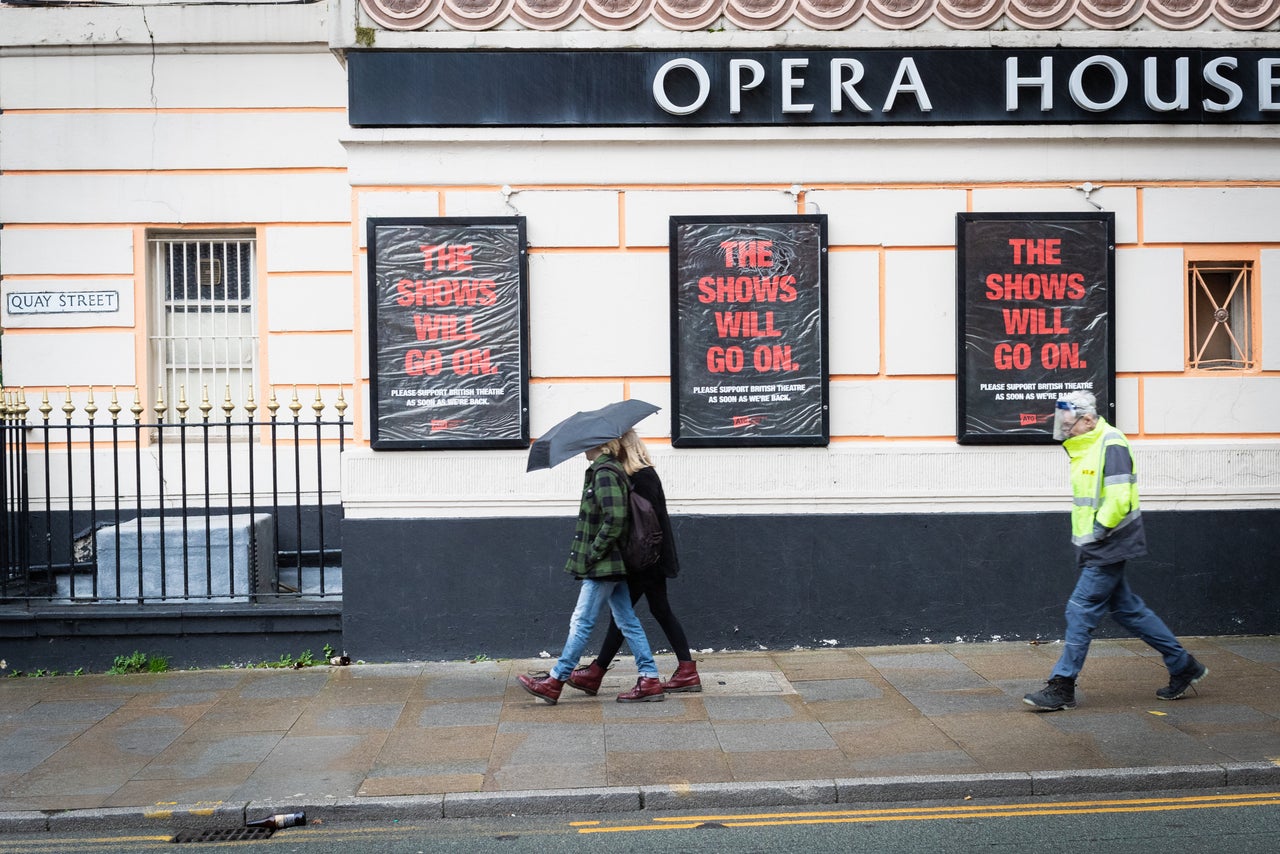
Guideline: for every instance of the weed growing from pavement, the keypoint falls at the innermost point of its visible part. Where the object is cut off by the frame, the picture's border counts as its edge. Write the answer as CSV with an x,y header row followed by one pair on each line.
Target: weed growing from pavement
x,y
37,673
287,661
139,662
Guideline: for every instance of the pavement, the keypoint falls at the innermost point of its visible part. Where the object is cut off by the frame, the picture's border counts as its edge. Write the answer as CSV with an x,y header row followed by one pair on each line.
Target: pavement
x,y
422,740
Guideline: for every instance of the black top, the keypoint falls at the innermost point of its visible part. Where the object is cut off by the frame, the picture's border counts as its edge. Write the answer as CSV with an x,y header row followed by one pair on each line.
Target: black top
x,y
646,483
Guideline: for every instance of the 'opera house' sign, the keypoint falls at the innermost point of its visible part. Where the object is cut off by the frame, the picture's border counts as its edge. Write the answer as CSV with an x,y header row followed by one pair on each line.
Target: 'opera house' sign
x,y
407,88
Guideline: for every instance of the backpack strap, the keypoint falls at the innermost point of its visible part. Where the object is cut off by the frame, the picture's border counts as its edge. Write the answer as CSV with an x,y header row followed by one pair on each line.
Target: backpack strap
x,y
617,468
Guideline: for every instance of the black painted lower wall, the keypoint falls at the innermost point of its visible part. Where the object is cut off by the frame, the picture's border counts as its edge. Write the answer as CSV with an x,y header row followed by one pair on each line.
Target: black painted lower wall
x,y
443,589
67,638
447,589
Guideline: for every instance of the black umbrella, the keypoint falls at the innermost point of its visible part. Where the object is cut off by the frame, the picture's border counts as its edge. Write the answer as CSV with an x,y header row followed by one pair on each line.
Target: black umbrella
x,y
583,431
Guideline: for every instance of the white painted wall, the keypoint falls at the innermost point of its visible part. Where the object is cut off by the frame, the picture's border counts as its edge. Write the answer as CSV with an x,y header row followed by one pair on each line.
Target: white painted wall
x,y
107,140
599,314
889,217
231,121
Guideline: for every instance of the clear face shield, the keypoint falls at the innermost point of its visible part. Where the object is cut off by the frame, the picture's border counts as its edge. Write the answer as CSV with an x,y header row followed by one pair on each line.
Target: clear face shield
x,y
1064,418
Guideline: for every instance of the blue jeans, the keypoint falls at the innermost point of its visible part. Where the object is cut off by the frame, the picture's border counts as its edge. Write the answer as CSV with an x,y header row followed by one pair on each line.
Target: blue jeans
x,y
1102,590
591,598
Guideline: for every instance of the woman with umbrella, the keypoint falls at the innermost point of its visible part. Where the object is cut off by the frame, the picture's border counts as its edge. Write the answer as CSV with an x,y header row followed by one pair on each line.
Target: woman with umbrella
x,y
650,584
594,558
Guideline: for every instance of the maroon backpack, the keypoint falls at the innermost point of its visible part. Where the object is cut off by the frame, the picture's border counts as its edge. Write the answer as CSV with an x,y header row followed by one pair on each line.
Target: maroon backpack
x,y
642,546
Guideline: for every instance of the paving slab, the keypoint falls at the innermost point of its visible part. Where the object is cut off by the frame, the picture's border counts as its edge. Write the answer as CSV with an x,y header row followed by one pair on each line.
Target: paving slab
x,y
770,728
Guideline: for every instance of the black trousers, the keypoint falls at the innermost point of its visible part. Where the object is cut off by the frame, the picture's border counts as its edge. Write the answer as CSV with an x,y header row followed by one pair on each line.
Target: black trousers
x,y
652,587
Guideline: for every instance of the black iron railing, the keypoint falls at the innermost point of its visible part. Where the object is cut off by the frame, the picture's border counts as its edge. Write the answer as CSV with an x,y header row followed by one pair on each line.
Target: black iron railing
x,y
216,507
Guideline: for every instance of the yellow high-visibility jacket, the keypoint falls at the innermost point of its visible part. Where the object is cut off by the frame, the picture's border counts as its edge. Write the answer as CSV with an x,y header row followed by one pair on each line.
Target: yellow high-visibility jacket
x,y
1106,522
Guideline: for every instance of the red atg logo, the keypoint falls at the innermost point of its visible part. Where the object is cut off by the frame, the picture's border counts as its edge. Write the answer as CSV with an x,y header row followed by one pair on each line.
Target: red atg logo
x,y
747,420
438,424
1025,418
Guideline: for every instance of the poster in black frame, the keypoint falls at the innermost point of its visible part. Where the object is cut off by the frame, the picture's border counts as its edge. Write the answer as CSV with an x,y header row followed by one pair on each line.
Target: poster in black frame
x,y
1035,309
448,332
749,331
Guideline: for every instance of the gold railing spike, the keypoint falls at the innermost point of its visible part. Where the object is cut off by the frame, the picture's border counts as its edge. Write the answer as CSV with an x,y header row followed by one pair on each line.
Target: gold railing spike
x,y
13,403
205,406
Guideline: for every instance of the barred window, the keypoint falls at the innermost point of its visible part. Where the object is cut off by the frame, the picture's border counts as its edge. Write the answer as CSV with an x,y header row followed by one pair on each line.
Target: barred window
x,y
1219,301
204,327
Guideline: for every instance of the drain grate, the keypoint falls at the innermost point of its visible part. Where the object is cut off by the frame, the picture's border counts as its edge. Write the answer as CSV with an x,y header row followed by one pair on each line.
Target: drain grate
x,y
225,834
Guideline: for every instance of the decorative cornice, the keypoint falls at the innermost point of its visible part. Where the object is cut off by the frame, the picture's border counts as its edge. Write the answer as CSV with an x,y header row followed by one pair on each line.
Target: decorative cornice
x,y
691,15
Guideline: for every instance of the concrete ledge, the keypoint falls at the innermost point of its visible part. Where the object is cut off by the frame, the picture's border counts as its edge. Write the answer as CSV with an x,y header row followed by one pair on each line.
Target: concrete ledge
x,y
115,818
1127,779
1252,773
314,807
697,796
194,816
23,821
556,802
406,808
925,788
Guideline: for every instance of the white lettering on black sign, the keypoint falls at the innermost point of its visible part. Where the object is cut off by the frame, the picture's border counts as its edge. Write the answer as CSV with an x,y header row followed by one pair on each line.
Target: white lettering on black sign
x,y
814,86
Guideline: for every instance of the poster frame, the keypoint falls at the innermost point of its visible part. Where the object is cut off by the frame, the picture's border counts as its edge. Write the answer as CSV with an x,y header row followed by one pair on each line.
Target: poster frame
x,y
679,439
381,443
1107,409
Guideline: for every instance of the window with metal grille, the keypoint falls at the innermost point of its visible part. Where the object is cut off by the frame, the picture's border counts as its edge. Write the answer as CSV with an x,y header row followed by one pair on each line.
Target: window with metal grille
x,y
205,329
1220,299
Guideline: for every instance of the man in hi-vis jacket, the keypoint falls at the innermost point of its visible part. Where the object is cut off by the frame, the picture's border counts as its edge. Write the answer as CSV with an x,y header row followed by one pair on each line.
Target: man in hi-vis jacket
x,y
1106,529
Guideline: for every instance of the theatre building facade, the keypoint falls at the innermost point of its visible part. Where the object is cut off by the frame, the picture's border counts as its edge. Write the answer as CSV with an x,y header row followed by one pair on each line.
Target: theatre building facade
x,y
290,289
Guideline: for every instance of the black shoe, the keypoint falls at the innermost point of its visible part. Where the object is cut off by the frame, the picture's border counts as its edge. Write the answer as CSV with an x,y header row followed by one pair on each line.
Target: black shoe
x,y
1058,693
1183,680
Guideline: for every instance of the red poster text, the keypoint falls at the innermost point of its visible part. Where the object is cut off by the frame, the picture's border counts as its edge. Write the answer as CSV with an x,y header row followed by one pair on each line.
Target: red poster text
x,y
452,257
748,253
445,292
463,362
1046,251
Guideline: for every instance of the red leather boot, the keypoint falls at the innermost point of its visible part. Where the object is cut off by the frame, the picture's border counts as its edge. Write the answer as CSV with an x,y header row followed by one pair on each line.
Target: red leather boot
x,y
587,678
647,690
684,679
546,689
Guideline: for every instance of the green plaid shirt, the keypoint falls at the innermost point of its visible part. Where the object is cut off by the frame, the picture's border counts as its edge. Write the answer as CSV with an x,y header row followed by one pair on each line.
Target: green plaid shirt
x,y
602,522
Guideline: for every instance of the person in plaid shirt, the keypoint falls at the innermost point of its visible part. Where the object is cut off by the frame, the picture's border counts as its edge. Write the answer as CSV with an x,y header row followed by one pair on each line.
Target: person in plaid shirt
x,y
595,560
649,583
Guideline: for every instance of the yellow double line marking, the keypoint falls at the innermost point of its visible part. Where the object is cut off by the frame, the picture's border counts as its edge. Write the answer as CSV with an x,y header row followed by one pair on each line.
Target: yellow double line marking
x,y
948,812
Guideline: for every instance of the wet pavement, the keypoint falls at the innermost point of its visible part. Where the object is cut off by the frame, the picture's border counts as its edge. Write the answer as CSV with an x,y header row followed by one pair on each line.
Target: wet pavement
x,y
771,727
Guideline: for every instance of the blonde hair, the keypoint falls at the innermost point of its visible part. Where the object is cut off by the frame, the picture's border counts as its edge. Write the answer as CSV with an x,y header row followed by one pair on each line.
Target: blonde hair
x,y
634,455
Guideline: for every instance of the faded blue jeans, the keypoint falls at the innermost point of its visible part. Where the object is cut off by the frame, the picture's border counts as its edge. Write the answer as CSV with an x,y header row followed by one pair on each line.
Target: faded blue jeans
x,y
1102,590
591,599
